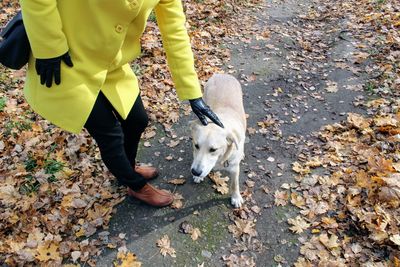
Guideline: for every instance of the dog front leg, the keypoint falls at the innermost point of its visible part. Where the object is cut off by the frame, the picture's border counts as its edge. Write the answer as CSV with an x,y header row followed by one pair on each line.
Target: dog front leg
x,y
236,198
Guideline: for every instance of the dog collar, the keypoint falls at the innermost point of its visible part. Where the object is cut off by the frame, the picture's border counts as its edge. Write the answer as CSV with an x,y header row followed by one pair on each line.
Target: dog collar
x,y
226,164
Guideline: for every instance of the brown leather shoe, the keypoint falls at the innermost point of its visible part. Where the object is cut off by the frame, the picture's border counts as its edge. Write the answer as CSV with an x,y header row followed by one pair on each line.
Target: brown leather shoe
x,y
148,172
152,196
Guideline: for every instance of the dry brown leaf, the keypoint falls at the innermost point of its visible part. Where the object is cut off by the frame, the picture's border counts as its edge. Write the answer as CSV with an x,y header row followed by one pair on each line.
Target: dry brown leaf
x,y
299,225
242,227
358,121
177,181
300,169
195,234
297,199
314,162
149,134
331,87
256,209
178,201
329,242
220,183
281,198
165,247
329,222
385,121
173,143
395,239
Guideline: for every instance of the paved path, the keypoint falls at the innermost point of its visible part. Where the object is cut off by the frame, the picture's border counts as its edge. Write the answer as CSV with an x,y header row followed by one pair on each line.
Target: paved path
x,y
275,85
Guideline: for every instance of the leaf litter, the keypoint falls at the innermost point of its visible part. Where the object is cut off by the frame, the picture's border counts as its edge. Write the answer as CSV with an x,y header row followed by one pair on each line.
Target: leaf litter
x,y
352,212
55,192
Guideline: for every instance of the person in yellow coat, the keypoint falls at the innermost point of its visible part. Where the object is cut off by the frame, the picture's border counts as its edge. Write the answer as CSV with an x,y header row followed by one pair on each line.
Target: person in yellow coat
x,y
79,75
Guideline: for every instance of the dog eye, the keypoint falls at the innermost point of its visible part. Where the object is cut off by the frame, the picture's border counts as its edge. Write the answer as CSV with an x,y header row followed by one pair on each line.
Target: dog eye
x,y
213,150
196,146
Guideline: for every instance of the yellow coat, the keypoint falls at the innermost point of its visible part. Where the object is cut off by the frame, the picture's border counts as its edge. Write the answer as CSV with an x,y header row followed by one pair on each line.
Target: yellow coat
x,y
102,37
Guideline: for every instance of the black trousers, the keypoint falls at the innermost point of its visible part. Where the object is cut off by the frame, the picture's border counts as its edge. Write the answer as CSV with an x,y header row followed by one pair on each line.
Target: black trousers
x,y
118,139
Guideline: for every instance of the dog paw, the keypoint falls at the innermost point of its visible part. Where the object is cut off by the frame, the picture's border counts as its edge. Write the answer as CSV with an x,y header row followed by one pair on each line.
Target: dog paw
x,y
198,179
237,200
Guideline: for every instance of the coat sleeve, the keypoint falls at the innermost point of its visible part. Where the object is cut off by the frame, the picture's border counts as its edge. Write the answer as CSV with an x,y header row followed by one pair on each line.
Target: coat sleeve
x,y
176,42
44,28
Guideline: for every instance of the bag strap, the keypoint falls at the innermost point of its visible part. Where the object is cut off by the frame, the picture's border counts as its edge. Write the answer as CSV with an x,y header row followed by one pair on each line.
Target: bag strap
x,y
16,20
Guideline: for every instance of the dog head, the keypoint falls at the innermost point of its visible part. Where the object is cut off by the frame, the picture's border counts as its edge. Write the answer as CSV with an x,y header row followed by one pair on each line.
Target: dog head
x,y
211,144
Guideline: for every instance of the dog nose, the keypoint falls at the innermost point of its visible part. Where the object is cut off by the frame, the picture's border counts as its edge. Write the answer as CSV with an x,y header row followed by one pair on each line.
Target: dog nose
x,y
195,172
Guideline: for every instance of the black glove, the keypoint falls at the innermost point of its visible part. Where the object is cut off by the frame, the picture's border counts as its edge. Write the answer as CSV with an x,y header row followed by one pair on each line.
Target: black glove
x,y
202,111
50,67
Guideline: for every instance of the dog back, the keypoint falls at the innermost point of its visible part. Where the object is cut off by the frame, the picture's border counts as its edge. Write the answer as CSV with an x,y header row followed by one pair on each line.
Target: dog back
x,y
223,94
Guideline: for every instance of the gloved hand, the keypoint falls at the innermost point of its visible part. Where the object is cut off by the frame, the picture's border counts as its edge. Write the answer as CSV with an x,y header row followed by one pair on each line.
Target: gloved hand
x,y
50,67
202,111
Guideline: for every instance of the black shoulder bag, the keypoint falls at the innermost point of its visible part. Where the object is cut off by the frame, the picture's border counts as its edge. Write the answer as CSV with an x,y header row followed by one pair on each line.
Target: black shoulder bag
x,y
14,46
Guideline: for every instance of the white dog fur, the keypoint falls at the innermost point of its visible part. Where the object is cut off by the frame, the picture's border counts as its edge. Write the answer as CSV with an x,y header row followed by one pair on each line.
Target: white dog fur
x,y
216,148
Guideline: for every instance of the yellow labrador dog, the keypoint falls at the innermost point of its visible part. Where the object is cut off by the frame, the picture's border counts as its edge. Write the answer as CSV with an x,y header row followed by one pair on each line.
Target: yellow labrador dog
x,y
216,148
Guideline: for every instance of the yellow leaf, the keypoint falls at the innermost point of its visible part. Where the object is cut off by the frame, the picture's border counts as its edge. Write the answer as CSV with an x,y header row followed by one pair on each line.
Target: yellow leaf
x,y
80,233
300,169
48,252
127,260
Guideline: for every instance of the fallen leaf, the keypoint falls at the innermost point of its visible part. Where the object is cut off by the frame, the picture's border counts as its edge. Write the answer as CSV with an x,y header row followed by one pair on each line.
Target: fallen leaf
x,y
165,247
195,234
242,227
48,252
127,259
178,201
177,181
281,198
299,225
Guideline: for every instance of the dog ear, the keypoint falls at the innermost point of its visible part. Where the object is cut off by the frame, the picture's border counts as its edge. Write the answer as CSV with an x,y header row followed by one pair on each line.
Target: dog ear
x,y
232,138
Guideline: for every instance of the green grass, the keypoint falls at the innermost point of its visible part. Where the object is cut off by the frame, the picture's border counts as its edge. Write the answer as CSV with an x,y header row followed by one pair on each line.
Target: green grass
x,y
52,166
137,69
30,185
2,103
152,17
30,164
369,88
12,126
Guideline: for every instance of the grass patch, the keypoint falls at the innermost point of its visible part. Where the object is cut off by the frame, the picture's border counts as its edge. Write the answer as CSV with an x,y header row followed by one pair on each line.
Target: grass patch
x,y
15,126
30,164
2,103
369,88
30,185
52,166
137,69
152,17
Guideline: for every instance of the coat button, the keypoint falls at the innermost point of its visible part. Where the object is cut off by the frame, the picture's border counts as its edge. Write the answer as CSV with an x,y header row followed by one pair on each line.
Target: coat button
x,y
119,28
133,3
